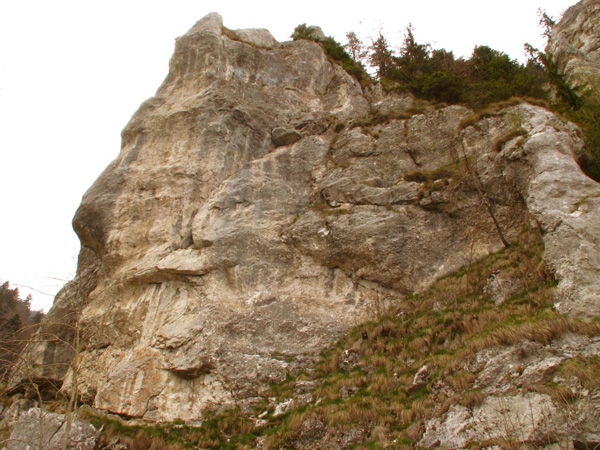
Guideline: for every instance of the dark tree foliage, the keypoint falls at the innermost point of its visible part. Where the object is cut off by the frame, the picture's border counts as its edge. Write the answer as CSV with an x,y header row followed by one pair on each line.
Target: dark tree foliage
x,y
493,77
486,77
8,298
435,74
302,32
414,60
445,87
337,52
380,56
587,117
16,325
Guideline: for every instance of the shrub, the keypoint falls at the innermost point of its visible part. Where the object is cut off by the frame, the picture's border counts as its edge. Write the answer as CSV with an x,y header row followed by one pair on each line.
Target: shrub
x,y
304,32
587,117
333,49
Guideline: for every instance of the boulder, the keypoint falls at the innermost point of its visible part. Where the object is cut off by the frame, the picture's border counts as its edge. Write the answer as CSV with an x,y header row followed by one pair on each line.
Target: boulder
x,y
47,431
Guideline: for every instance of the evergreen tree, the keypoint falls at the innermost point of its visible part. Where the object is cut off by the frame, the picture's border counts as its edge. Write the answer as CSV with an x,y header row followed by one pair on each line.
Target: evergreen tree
x,y
355,47
414,58
16,325
380,56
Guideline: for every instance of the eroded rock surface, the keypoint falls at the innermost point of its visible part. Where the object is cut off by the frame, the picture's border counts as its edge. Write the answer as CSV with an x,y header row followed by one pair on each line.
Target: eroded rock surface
x,y
47,431
522,415
575,46
257,212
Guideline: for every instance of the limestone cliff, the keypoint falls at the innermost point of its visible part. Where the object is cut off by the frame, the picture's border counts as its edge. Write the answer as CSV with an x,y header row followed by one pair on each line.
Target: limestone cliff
x,y
263,203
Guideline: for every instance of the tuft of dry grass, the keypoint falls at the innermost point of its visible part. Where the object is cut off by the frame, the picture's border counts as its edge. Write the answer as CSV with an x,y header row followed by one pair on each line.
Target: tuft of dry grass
x,y
415,430
382,118
382,383
562,395
472,119
461,381
495,109
584,370
472,398
507,137
543,330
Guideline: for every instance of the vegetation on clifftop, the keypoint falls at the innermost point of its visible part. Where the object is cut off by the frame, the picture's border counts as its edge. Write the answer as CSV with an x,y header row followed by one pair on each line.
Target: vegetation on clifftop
x,y
334,50
487,77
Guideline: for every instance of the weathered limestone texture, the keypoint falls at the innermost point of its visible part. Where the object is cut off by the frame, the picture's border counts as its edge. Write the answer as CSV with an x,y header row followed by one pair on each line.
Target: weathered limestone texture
x,y
521,415
575,46
47,431
566,204
263,204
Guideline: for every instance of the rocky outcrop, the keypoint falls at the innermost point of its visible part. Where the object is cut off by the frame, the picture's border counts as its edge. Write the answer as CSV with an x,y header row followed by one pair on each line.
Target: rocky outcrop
x,y
575,46
47,431
523,415
263,203
566,205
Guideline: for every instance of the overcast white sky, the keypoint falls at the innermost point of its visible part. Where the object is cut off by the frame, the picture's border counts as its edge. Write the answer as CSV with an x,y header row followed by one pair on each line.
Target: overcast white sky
x,y
73,72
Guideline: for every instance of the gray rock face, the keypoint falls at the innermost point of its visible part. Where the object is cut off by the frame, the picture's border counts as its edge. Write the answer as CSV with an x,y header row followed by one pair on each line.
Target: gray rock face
x,y
566,205
47,431
257,211
521,415
575,45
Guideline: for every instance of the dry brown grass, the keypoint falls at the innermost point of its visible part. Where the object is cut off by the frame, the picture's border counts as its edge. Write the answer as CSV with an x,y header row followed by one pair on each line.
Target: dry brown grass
x,y
423,407
562,395
507,137
379,118
143,441
585,370
461,381
407,417
382,383
289,430
472,119
495,109
330,364
362,411
471,399
415,430
543,331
